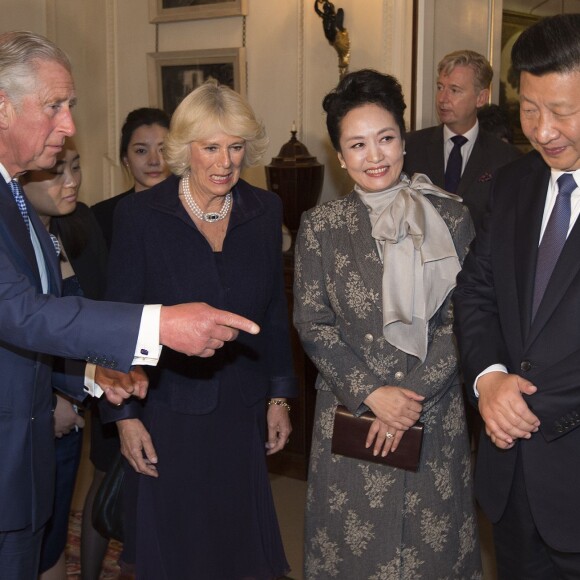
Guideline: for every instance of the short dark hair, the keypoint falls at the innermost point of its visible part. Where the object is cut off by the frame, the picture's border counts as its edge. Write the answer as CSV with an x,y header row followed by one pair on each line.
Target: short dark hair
x,y
360,88
137,118
493,119
552,45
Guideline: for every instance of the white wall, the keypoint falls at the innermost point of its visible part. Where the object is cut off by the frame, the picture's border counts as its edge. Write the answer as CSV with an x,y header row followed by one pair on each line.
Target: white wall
x,y
448,25
290,65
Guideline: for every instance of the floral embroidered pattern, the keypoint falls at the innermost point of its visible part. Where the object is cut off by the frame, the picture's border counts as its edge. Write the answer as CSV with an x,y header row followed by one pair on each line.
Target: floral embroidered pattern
x,y
442,479
453,420
434,529
328,335
326,423
338,499
358,297
441,370
412,501
376,484
467,542
356,381
356,533
405,565
329,559
310,295
341,261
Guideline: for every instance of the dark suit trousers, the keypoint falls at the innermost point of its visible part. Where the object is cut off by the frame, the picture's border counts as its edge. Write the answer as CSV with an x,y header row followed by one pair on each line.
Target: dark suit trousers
x,y
20,554
521,553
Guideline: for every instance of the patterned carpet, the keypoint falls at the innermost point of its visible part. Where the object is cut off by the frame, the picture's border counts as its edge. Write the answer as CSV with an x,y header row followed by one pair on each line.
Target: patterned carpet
x,y
73,564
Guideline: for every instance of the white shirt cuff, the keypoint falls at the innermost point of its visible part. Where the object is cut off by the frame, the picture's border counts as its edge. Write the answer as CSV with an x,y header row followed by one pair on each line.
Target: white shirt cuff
x,y
91,388
147,351
490,369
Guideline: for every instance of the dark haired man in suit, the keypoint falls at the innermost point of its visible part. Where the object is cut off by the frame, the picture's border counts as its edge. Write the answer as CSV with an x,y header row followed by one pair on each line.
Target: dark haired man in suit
x,y
457,155
517,308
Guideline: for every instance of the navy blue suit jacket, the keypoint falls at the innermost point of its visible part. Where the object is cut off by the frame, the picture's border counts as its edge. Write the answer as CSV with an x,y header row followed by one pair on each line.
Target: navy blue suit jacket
x,y
34,326
493,306
159,255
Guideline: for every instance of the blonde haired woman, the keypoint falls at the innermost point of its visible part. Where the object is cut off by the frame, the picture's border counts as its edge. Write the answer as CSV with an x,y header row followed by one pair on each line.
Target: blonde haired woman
x,y
204,505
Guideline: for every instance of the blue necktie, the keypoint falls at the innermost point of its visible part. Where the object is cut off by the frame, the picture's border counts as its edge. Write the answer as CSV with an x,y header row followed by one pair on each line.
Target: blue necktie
x,y
554,238
19,199
454,164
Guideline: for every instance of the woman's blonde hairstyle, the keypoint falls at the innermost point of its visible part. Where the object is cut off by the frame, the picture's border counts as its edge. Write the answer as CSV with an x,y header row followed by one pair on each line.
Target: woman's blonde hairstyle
x,y
209,108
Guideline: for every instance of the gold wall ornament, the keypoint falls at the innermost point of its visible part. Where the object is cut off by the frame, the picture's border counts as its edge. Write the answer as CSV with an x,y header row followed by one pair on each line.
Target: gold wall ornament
x,y
335,32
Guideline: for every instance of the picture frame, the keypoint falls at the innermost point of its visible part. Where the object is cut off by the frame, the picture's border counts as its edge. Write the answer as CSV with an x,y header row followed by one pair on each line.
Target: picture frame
x,y
173,75
175,10
513,24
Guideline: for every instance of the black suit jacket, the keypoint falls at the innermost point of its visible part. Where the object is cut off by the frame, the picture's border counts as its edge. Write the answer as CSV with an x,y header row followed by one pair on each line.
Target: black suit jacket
x,y
104,211
425,154
493,304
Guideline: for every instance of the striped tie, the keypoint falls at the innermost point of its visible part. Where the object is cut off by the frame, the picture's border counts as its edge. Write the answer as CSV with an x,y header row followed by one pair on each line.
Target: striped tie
x,y
19,199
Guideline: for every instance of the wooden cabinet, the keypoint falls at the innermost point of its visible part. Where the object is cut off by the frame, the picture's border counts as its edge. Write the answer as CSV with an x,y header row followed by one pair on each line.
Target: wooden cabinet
x,y
297,177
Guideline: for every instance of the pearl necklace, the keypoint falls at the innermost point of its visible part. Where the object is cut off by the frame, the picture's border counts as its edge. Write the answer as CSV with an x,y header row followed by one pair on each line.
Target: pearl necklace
x,y
210,217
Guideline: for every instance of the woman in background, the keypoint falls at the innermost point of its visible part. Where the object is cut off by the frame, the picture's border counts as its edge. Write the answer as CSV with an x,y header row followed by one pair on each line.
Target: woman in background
x,y
373,280
199,443
54,193
141,154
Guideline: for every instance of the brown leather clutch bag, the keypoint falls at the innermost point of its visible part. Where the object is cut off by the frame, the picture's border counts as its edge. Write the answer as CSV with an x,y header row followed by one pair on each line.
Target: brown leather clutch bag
x,y
350,433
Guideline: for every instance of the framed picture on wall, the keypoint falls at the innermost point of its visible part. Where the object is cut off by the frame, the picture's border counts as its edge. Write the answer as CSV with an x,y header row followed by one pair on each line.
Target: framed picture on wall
x,y
173,75
173,10
513,24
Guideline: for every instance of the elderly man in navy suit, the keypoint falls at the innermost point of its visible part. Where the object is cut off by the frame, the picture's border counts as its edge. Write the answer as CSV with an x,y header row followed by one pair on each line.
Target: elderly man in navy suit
x,y
517,308
36,97
457,155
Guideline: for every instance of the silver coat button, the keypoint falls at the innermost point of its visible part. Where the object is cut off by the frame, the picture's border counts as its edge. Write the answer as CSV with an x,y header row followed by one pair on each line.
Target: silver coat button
x,y
399,375
369,337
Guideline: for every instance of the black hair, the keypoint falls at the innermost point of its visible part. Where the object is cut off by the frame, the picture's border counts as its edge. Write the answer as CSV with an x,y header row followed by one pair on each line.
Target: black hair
x,y
493,119
137,118
552,45
360,88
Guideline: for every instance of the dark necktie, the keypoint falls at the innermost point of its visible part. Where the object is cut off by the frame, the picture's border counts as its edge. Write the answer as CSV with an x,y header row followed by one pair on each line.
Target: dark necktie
x,y
21,203
454,164
19,199
554,238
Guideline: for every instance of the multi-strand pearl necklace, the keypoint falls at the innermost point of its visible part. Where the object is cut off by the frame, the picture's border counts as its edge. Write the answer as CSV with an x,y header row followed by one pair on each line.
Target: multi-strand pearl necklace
x,y
211,216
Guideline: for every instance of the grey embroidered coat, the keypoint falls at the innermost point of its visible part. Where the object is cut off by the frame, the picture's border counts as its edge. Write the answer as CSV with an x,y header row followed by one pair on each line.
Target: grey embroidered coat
x,y
363,520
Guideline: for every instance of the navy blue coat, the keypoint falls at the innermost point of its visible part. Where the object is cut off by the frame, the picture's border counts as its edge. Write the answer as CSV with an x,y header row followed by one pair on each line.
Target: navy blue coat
x,y
32,323
159,255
